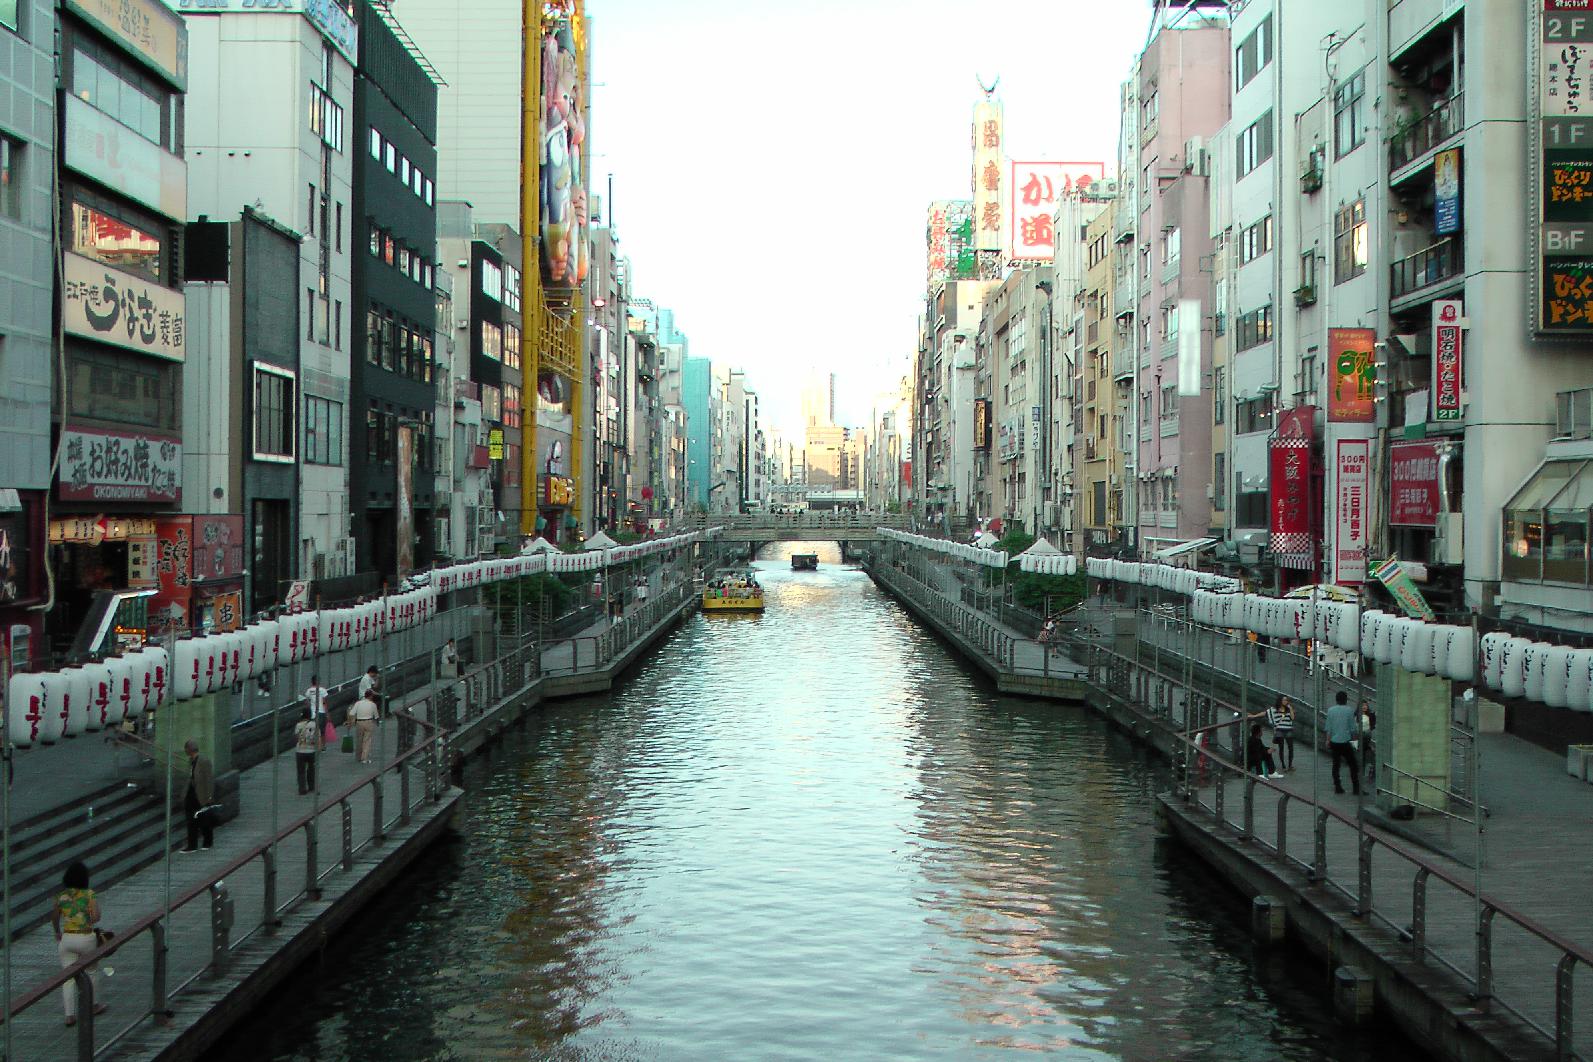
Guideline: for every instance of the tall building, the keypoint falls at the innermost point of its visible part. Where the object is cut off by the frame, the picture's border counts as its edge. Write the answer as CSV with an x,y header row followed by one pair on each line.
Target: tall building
x,y
393,221
27,182
122,185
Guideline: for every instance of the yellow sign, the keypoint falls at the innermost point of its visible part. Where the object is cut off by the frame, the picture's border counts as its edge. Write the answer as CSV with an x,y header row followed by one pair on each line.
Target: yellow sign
x,y
154,32
226,612
97,529
495,444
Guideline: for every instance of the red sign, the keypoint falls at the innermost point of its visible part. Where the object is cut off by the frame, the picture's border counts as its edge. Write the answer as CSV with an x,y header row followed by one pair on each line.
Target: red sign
x,y
1351,375
1413,484
217,547
1448,360
1289,463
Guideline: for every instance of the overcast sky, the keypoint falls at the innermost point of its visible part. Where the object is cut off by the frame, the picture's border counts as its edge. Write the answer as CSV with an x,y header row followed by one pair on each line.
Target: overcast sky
x,y
773,161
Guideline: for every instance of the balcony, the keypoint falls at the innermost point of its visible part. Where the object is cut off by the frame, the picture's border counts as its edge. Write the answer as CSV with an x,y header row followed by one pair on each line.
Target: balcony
x,y
1123,362
1427,273
1427,134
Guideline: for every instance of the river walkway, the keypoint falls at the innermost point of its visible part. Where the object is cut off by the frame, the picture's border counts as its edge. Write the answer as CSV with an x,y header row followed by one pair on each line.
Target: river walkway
x,y
204,936
1407,900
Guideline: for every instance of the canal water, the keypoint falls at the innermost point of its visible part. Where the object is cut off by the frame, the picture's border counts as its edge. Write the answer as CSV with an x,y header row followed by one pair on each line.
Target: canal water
x,y
811,834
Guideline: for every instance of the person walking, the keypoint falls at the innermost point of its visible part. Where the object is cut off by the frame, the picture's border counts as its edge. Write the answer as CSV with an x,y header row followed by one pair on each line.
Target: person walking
x,y
197,799
307,742
363,718
371,686
1367,719
75,918
315,699
450,661
1281,718
1341,729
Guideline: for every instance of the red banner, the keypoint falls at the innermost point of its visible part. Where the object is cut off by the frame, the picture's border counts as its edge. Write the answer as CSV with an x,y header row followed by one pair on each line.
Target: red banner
x,y
1351,375
1413,484
1290,486
1448,360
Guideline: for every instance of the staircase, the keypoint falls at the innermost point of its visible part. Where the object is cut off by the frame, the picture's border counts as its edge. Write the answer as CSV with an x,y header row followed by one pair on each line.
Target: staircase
x,y
117,831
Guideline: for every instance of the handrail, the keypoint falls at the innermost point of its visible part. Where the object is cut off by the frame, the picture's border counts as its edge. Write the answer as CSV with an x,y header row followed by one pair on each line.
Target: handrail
x,y
118,736
149,921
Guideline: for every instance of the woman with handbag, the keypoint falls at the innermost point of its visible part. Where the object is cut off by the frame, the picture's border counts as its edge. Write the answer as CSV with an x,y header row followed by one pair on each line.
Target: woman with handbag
x,y
75,918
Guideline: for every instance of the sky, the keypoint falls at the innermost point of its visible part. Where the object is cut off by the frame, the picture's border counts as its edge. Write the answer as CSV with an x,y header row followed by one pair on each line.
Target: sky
x,y
773,160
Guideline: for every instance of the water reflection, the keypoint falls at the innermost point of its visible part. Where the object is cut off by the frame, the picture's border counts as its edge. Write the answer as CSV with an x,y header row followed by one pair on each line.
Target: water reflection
x,y
804,834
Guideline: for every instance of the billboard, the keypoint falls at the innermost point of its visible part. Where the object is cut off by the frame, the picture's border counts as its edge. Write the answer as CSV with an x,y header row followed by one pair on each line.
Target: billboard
x,y
1289,459
1351,376
101,465
949,238
1446,192
1351,483
982,424
1561,135
1448,359
561,194
987,175
1033,191
101,302
1413,484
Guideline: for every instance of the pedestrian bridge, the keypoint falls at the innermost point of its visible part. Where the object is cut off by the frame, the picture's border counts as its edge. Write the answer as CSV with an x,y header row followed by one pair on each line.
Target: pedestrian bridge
x,y
762,528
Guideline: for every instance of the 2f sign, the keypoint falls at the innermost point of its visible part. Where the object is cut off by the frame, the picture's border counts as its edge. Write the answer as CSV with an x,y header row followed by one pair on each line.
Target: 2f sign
x,y
1567,27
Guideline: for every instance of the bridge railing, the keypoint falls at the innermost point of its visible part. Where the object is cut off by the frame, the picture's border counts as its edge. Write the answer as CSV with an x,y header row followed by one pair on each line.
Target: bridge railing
x,y
808,521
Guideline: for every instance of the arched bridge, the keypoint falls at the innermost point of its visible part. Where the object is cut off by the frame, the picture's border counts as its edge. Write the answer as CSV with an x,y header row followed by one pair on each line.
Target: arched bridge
x,y
759,529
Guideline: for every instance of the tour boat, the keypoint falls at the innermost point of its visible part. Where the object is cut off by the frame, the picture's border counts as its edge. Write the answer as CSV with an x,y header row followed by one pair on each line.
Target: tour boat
x,y
804,562
732,590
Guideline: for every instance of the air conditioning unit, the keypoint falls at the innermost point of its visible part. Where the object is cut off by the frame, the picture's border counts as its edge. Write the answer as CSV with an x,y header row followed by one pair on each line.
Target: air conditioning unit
x,y
1448,540
1211,492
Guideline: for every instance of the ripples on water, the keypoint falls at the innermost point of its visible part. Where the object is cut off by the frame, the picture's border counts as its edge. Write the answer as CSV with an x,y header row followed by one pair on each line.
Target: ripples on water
x,y
810,834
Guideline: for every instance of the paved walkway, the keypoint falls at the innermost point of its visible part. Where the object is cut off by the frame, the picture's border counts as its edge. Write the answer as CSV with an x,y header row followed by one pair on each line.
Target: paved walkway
x,y
268,800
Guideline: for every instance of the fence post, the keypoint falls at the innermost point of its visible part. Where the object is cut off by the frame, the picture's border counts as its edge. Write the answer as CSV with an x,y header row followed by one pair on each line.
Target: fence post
x,y
312,884
1485,953
403,792
1219,795
348,833
221,916
377,831
1418,915
1363,904
268,898
1283,824
1564,982
85,1016
1249,830
1319,856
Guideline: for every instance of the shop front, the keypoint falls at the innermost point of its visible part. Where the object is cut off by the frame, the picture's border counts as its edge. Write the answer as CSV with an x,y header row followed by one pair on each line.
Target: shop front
x,y
199,573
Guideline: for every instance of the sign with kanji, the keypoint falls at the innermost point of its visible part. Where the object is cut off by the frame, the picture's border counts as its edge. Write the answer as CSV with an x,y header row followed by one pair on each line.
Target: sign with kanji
x,y
1448,360
104,303
1290,468
1563,116
99,465
949,239
1352,479
988,166
1413,484
1351,376
226,612
1034,191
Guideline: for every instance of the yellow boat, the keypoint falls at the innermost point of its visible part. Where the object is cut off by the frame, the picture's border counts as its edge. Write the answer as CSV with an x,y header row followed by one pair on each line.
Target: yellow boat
x,y
732,590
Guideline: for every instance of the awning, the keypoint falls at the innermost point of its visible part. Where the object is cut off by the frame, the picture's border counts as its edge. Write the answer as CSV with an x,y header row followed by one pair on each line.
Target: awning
x,y
1194,545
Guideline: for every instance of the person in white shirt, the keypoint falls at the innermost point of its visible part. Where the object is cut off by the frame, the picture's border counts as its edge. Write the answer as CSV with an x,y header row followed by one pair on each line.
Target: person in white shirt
x,y
362,717
450,661
371,686
315,699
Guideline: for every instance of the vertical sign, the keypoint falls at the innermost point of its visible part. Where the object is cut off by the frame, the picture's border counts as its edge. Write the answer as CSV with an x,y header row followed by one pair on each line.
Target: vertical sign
x,y
1351,376
987,173
1403,589
1446,192
1448,359
1035,190
1289,484
1351,483
1563,110
938,237
406,501
1189,329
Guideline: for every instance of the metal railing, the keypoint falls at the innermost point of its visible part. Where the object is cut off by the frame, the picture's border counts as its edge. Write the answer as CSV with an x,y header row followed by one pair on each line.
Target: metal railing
x,y
824,520
1460,928
209,908
1445,120
1431,265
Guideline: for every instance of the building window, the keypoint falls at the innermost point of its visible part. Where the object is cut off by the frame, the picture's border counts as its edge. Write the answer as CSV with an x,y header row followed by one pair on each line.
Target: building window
x,y
273,414
426,276
1219,394
491,280
373,336
1349,132
403,169
428,196
1219,481
1254,145
389,248
376,242
1308,273
1253,54
309,313
326,117
403,260
1171,246
8,14
1305,381
391,337
11,180
392,157
1169,403
491,403
1253,328
511,287
309,210
427,360
415,180
511,346
1170,322
107,238
323,431
1255,240
511,406
376,144
337,231
491,341
1351,245
105,81
123,387
1253,415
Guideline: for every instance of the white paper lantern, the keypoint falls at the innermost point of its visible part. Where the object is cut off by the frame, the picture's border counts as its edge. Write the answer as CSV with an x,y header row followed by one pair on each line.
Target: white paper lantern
x,y
1557,676
1535,668
270,632
187,669
81,688
1513,668
1461,664
99,696
25,709
1390,636
64,715
1579,681
1416,650
122,671
329,634
1493,645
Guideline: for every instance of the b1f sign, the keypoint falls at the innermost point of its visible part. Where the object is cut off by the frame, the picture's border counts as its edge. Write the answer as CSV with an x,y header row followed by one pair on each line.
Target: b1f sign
x,y
1448,359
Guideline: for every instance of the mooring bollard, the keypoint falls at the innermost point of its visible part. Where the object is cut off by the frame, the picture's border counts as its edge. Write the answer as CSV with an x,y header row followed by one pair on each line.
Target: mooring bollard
x,y
1267,920
1352,995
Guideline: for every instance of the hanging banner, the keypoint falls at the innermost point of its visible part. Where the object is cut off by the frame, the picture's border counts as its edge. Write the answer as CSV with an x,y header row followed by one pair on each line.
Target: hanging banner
x,y
1351,482
982,424
406,501
1446,192
1352,376
1448,360
1289,462
1393,575
1413,484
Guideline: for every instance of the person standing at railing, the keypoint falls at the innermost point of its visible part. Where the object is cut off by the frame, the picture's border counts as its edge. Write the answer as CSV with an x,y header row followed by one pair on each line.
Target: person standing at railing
x,y
371,686
1281,718
1342,728
306,742
75,918
315,699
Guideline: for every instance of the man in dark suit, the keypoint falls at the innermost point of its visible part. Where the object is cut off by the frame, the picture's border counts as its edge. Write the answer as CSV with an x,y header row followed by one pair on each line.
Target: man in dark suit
x,y
197,800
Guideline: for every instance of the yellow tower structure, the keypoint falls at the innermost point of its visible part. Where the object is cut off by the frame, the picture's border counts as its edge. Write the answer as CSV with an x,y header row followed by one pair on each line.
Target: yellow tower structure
x,y
555,314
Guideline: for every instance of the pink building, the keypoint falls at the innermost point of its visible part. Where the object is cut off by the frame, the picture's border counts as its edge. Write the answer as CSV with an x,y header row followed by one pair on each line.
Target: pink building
x,y
1183,100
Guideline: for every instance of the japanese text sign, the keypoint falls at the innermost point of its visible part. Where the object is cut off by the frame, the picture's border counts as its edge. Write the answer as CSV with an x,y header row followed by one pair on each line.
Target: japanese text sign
x,y
1563,120
1034,190
1289,483
106,304
1413,484
1448,359
1351,375
987,171
1352,476
98,465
